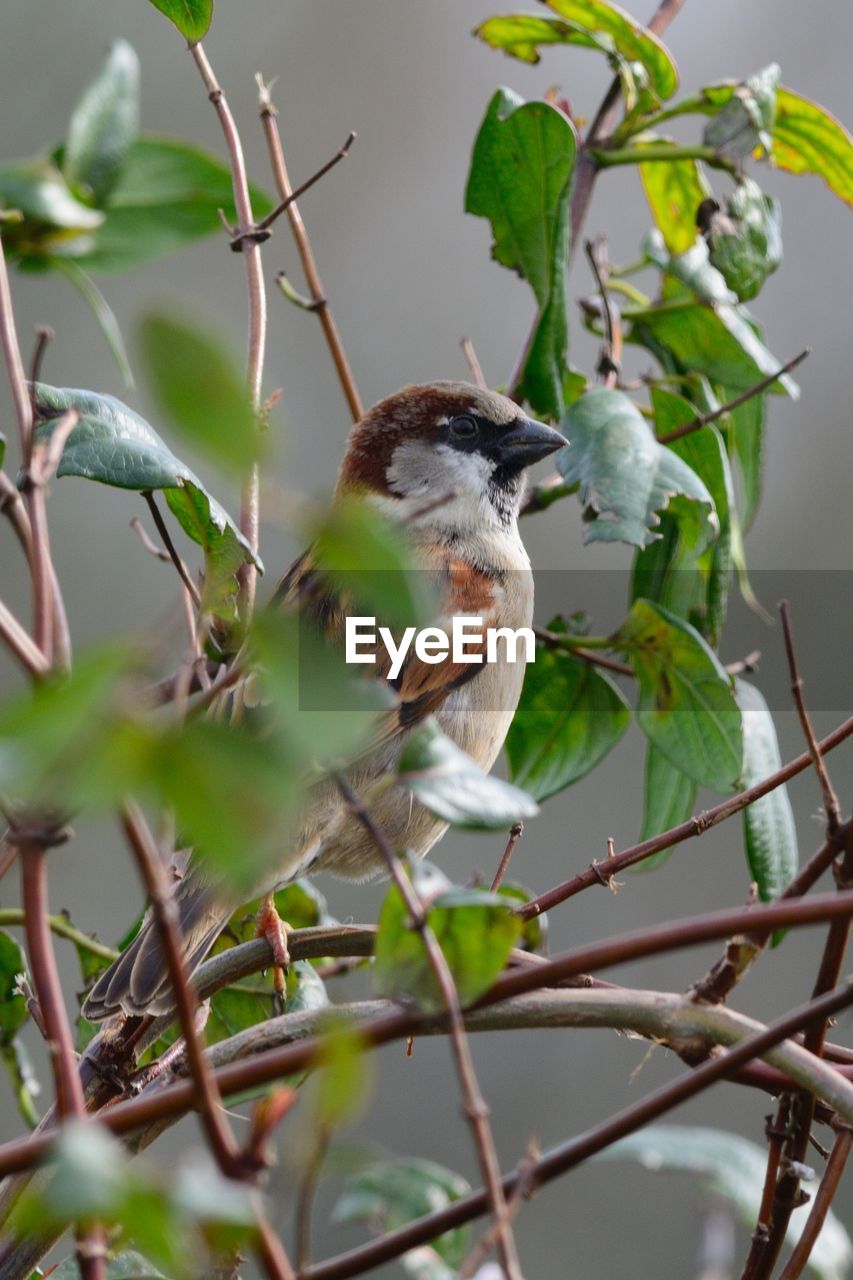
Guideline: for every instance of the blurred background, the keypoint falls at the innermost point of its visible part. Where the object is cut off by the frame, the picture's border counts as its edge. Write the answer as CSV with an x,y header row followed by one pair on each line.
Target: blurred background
x,y
409,274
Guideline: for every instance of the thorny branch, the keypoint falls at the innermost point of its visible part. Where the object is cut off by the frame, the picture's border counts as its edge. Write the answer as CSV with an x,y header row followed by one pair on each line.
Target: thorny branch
x,y
475,1108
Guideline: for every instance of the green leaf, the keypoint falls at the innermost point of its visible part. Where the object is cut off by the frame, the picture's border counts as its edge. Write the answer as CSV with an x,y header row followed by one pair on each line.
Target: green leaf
x,y
718,341
53,217
57,742
167,195
102,311
626,477
235,794
746,120
745,242
679,571
200,391
808,139
522,35
448,783
770,833
103,125
191,17
632,41
391,1193
169,1216
733,1169
13,1006
686,706
115,446
588,25
343,1078
520,179
362,555
475,930
569,716
669,797
674,189
534,931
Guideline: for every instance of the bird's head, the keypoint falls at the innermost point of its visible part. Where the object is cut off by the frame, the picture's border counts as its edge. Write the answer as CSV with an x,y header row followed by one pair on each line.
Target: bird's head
x,y
446,440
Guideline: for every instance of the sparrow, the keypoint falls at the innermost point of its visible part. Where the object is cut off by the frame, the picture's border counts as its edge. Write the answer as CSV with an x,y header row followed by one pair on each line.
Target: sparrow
x,y
446,462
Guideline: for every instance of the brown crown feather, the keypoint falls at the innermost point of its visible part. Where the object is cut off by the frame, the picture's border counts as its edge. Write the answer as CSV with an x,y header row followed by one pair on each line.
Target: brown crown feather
x,y
416,412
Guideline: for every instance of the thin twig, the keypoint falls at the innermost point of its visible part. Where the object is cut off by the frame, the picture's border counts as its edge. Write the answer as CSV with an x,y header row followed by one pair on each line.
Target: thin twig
x,y
610,361
473,363
820,1208
44,336
249,498
269,114
208,1099
288,200
702,419
695,826
70,1102
305,1197
19,643
171,551
475,1108
566,644
515,835
63,928
830,800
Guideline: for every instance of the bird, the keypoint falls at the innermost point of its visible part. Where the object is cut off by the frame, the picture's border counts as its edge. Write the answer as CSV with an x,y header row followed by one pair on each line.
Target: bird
x,y
446,462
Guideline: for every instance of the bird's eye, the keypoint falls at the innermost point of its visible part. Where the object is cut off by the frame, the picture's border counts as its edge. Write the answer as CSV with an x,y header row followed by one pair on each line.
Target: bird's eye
x,y
463,427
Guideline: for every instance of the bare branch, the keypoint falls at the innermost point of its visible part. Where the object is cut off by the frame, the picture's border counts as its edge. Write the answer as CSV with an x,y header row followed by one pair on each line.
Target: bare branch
x,y
695,826
320,301
820,1208
475,1108
171,552
702,419
249,501
473,363
830,800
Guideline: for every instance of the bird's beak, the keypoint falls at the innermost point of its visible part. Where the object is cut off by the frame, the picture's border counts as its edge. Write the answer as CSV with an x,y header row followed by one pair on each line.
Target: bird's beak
x,y
528,442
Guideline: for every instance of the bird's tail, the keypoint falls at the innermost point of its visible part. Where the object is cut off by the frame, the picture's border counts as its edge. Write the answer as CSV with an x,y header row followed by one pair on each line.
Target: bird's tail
x,y
138,981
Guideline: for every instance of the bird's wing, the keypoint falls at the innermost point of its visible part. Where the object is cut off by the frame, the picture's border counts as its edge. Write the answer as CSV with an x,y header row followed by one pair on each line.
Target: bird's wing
x,y
420,687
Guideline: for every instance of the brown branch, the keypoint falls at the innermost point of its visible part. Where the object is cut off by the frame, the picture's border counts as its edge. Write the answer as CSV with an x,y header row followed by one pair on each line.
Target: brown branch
x,y
208,1100
249,498
475,1108
514,836
820,1208
610,360
702,419
70,1103
171,550
554,640
177,1098
568,1155
19,643
269,114
695,826
830,800
288,200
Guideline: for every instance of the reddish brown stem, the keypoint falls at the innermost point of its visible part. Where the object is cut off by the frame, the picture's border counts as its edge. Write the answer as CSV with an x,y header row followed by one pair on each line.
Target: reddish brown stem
x,y
820,1208
208,1099
695,826
475,1108
70,1102
830,800
269,116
